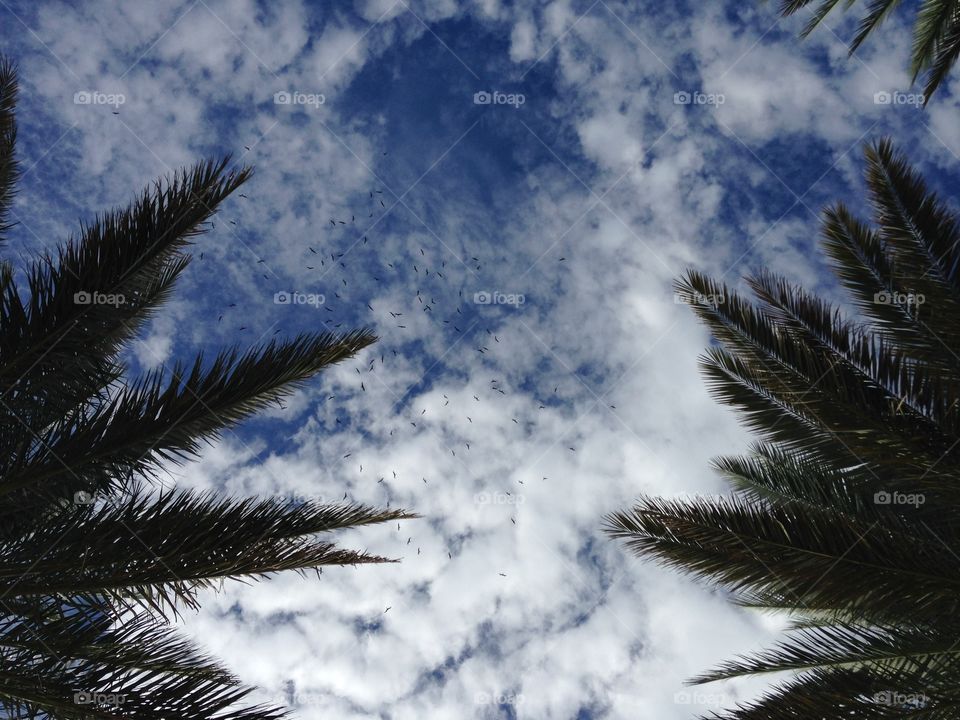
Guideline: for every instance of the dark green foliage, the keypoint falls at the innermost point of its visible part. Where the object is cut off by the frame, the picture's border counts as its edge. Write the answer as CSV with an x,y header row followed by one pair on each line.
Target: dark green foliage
x,y
936,32
845,514
92,563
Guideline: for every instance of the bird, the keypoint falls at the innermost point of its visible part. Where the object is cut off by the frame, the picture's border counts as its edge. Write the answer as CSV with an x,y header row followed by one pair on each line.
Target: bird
x,y
387,610
502,575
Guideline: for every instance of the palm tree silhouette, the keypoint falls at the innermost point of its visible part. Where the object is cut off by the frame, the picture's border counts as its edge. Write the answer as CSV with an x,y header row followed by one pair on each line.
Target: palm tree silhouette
x,y
845,513
93,564
936,33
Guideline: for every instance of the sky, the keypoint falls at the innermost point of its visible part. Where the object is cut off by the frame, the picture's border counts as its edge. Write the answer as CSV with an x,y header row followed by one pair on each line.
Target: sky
x,y
504,193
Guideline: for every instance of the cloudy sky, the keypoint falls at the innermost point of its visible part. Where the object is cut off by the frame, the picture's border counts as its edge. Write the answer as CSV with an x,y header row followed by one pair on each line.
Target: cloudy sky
x,y
513,188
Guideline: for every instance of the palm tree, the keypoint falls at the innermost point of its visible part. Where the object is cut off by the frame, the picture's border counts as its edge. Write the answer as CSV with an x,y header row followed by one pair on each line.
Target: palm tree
x,y
844,515
93,563
936,33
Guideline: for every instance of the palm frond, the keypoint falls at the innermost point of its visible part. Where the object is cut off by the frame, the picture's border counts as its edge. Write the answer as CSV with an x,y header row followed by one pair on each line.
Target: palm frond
x,y
164,416
936,32
798,556
176,544
9,168
58,346
843,516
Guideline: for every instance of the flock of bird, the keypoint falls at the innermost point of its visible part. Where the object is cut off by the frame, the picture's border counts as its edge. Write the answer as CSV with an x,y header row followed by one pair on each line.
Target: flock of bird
x,y
431,281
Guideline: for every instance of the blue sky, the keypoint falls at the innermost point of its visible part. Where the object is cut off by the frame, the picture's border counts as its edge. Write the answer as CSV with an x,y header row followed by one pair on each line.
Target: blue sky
x,y
587,200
